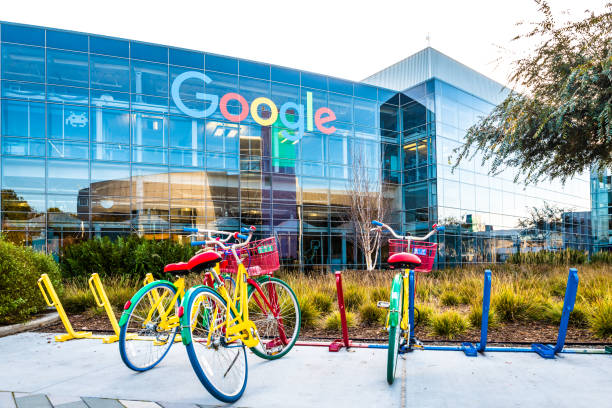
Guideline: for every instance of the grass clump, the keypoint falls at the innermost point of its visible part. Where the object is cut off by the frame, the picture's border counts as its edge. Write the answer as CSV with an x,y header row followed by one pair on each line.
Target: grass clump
x,y
449,324
425,315
333,321
371,315
380,293
475,317
309,312
354,297
322,301
600,319
511,306
449,298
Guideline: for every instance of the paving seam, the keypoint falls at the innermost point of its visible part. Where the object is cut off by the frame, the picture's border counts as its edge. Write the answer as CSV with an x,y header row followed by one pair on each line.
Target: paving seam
x,y
404,386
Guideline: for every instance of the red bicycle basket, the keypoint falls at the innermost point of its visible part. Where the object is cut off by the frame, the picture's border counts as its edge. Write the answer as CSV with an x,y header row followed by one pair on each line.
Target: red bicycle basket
x,y
259,258
426,251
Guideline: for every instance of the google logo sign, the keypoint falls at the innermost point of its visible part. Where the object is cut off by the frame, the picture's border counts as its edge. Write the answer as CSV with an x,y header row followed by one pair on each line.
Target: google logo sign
x,y
293,116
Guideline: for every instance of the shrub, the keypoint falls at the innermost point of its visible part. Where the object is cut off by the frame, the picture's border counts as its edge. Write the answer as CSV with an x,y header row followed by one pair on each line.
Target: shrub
x,y
600,319
333,321
322,301
449,298
131,256
371,315
511,306
309,312
475,317
449,324
380,293
565,257
20,268
354,297
424,315
603,257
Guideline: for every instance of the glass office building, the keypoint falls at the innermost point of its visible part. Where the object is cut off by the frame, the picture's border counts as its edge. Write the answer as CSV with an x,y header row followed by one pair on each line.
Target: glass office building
x,y
106,137
601,197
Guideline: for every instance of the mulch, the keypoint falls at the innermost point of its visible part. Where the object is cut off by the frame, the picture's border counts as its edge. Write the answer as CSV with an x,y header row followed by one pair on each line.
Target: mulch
x,y
514,333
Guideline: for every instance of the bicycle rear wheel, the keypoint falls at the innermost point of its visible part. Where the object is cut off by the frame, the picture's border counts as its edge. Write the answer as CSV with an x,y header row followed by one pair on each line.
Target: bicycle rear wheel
x,y
220,366
274,308
152,342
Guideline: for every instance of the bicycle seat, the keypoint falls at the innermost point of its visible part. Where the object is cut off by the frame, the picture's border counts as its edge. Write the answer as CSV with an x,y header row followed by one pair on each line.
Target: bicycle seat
x,y
177,268
404,260
203,261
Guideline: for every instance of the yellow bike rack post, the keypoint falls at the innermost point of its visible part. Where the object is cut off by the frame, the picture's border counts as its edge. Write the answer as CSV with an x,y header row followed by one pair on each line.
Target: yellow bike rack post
x,y
55,302
99,294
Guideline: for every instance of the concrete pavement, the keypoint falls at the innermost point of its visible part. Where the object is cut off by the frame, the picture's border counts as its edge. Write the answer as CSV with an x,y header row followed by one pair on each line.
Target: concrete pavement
x,y
33,364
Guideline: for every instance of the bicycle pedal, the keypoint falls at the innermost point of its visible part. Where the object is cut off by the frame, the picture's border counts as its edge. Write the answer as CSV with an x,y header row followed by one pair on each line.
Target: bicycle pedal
x,y
382,305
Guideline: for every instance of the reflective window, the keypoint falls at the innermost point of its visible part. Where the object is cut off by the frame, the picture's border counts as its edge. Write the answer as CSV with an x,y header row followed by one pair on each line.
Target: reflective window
x,y
110,99
101,172
365,112
23,90
23,147
109,125
149,130
192,158
222,137
286,75
23,175
110,152
221,64
340,86
67,41
110,73
67,68
109,46
67,150
67,176
156,155
67,122
23,119
186,58
187,133
23,63
254,69
148,52
23,35
149,78
311,80
69,94
342,107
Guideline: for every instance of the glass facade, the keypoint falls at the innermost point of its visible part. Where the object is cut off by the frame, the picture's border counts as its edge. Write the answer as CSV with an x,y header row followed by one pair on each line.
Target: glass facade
x,y
601,197
104,137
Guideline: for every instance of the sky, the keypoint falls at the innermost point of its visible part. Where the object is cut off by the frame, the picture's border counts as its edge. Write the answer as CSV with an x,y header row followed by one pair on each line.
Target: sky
x,y
346,39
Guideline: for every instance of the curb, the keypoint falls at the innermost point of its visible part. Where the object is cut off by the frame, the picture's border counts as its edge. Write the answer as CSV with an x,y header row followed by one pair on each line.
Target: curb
x,y
32,324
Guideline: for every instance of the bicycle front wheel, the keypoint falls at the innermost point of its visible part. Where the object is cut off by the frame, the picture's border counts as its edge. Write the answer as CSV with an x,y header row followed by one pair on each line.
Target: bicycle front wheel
x,y
220,365
145,338
275,310
395,330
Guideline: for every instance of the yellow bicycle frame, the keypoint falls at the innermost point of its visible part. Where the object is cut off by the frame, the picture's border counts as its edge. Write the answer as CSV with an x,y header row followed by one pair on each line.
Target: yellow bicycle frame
x,y
237,323
167,322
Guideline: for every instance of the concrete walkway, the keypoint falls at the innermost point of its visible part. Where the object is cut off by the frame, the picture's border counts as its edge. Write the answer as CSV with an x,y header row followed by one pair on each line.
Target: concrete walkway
x,y
37,372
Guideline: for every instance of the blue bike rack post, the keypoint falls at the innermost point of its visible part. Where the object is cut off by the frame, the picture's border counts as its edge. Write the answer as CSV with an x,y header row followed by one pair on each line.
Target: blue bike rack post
x,y
468,348
411,304
571,289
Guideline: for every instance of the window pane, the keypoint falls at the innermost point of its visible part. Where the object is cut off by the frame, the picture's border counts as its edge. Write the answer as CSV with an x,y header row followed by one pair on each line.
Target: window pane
x,y
221,137
68,150
23,63
254,69
342,107
149,78
23,119
186,58
100,151
67,176
23,35
67,41
365,113
110,99
154,155
110,126
69,94
67,68
23,147
109,46
23,175
67,122
149,52
286,75
149,130
110,73
187,133
221,64
23,90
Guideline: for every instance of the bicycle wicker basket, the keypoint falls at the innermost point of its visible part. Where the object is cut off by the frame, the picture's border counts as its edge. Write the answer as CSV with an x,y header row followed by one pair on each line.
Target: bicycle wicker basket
x,y
426,251
259,258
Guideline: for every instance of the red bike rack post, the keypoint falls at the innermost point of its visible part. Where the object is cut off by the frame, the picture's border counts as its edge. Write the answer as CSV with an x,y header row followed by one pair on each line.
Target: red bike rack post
x,y
336,345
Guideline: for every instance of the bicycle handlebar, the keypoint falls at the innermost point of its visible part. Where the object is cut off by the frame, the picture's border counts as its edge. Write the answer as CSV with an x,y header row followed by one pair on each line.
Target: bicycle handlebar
x,y
435,228
221,242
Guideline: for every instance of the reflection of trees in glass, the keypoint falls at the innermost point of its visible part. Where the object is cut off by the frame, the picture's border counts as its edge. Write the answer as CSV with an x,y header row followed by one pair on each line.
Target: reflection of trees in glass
x,y
20,211
543,226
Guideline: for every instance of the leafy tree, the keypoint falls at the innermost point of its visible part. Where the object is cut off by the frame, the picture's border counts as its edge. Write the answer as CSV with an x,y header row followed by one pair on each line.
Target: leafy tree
x,y
560,125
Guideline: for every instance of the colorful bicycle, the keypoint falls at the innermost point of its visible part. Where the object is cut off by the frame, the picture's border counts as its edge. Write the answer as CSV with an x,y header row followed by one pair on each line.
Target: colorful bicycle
x,y
151,316
216,326
407,255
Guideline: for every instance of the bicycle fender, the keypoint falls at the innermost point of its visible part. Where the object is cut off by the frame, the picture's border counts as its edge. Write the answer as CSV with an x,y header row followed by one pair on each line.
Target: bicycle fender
x,y
126,313
395,300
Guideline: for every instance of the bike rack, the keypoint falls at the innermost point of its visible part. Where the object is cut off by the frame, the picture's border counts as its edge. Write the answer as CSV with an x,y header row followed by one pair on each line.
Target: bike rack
x,y
468,348
55,302
337,344
545,350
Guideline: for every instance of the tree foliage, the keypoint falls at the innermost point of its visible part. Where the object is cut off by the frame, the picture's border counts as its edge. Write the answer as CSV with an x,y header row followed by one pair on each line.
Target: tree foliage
x,y
560,125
